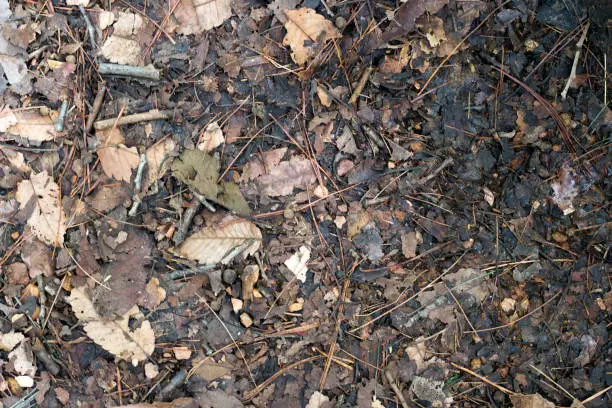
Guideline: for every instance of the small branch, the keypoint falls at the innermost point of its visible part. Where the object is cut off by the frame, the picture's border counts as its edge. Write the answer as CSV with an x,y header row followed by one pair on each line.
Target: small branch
x,y
434,173
396,389
179,235
360,85
140,171
148,72
182,273
97,105
90,27
491,383
135,118
575,64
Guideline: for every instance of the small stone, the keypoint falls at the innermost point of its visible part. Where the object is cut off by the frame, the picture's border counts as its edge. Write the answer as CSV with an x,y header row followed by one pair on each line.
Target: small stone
x,y
508,305
559,237
341,22
229,276
246,320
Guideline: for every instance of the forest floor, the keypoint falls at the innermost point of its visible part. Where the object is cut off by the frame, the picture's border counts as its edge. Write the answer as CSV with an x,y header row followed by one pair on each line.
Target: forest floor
x,y
305,203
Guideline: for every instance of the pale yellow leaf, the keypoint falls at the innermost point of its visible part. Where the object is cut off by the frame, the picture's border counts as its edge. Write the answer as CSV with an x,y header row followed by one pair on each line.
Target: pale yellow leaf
x,y
47,221
29,125
222,242
196,16
304,26
114,336
117,160
212,138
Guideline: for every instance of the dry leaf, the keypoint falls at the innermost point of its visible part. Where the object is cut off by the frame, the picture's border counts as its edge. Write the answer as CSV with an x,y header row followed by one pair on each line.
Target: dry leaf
x,y
346,142
121,47
117,160
409,244
62,395
182,353
222,242
21,359
9,340
158,161
288,174
488,196
47,221
317,400
259,166
153,296
196,16
297,263
212,138
530,401
210,370
151,370
29,125
565,189
115,336
305,26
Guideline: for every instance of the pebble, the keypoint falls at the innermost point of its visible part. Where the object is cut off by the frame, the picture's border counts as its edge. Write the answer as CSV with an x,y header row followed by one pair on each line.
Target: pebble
x,y
229,276
246,320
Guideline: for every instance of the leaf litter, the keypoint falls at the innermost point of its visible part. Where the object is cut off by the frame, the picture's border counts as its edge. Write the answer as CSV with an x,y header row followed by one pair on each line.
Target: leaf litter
x,y
306,185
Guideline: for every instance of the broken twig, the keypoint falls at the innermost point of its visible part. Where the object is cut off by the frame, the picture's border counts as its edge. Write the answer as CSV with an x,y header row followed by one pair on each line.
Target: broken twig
x,y
572,75
360,85
135,118
59,122
90,27
148,72
97,105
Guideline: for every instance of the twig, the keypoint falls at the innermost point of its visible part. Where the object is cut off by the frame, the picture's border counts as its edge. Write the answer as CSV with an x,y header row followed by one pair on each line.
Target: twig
x,y
97,105
135,118
253,393
90,27
597,394
29,149
396,389
572,75
45,358
434,173
138,185
43,297
59,122
536,369
178,379
148,72
491,383
360,85
181,232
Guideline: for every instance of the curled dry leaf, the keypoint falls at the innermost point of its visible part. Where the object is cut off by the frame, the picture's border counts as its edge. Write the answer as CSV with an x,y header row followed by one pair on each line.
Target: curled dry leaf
x,y
47,220
306,26
196,16
114,336
29,125
117,160
222,242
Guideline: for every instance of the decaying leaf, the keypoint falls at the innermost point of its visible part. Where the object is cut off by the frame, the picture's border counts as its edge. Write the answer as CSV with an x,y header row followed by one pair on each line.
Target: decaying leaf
x,y
199,171
565,189
346,142
117,160
222,242
115,336
158,161
21,360
317,400
210,370
410,240
47,220
211,138
30,126
121,47
530,401
297,263
305,30
281,179
196,16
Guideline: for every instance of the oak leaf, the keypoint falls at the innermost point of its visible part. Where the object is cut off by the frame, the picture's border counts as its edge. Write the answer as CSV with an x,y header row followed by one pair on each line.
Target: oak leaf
x,y
305,26
222,242
114,336
47,220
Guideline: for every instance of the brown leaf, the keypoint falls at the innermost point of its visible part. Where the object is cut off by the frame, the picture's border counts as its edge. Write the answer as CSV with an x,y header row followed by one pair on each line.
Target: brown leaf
x,y
115,336
108,196
48,221
288,174
530,401
153,296
158,161
222,242
117,160
37,256
409,244
29,125
196,16
210,370
305,26
17,274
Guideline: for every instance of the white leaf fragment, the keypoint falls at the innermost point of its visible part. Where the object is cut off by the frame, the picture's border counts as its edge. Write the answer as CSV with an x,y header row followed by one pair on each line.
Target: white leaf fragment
x,y
297,263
